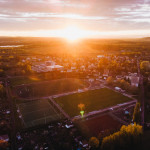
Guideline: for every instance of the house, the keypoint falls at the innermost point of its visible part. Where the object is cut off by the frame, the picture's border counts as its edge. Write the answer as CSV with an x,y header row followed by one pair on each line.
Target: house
x,y
91,80
82,67
80,90
28,58
100,77
34,58
73,68
106,73
69,70
119,77
100,56
50,63
117,88
135,81
91,66
23,60
4,137
38,68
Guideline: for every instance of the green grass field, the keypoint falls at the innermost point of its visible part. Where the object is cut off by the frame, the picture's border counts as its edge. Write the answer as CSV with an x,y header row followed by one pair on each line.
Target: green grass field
x,y
24,80
50,88
93,100
38,112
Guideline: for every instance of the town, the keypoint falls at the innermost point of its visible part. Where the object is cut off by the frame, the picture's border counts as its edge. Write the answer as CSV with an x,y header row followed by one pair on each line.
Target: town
x,y
64,101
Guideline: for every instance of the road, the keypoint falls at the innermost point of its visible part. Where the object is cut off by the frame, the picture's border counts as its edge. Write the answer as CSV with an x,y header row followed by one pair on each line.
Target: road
x,y
63,94
108,109
59,108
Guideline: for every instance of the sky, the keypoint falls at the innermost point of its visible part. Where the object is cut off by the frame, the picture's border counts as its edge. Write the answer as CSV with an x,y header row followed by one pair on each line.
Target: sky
x,y
91,18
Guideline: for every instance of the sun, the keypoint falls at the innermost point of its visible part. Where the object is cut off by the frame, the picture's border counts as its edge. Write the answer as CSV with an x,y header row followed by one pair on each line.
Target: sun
x,y
72,34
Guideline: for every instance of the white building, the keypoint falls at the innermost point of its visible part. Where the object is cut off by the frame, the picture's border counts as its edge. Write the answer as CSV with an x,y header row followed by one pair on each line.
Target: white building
x,y
117,88
73,68
134,78
69,70
106,73
100,56
50,63
91,80
46,68
54,68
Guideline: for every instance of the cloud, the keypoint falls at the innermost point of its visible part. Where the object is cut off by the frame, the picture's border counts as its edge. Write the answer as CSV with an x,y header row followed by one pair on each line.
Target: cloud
x,y
97,15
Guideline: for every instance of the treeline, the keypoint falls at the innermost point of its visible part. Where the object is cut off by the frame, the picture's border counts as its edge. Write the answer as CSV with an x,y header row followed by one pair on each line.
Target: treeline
x,y
128,138
123,84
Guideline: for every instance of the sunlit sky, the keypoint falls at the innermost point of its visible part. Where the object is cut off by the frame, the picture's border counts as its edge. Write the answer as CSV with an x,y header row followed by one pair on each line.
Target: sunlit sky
x,y
66,18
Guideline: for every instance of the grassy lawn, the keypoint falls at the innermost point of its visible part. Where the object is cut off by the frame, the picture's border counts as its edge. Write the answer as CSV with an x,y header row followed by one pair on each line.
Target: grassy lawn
x,y
38,112
93,100
24,80
50,88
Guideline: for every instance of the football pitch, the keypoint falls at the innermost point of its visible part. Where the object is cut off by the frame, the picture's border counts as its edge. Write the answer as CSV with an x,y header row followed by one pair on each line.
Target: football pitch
x,y
93,100
38,112
49,88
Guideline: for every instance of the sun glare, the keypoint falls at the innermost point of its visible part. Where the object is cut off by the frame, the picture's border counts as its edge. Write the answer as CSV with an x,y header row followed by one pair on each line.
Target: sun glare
x,y
72,34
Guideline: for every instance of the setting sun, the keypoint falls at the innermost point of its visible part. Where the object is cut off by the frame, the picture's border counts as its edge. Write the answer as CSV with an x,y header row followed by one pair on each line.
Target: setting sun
x,y
72,33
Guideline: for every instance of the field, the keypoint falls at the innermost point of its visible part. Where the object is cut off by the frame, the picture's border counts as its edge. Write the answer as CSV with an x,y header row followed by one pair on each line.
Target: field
x,y
101,123
48,88
38,112
48,76
93,100
24,80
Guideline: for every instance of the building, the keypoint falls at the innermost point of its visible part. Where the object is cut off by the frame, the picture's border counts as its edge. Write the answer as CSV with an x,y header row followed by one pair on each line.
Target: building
x,y
134,81
54,68
106,73
45,67
91,80
100,56
117,88
50,63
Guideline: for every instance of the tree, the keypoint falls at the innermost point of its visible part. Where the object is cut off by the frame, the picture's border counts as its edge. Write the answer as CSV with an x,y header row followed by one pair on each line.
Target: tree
x,y
94,142
1,88
109,80
23,71
123,84
28,68
145,66
136,113
11,56
3,145
103,134
129,137
103,64
134,90
2,73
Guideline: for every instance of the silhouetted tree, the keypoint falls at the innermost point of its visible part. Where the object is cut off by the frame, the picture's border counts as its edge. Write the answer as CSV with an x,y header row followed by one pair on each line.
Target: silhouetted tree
x,y
129,137
94,142
136,113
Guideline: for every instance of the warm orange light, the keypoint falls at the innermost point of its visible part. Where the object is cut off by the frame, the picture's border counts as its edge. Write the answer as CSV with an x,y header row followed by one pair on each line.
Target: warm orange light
x,y
72,33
